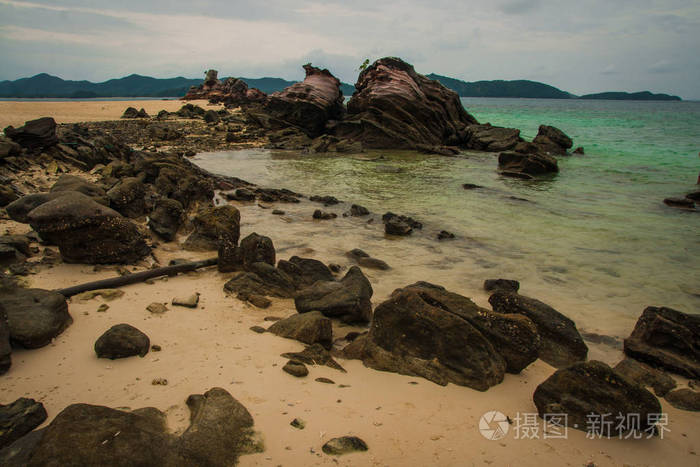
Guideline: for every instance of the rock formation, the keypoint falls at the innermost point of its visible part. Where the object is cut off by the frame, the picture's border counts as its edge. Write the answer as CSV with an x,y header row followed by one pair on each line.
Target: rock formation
x,y
231,92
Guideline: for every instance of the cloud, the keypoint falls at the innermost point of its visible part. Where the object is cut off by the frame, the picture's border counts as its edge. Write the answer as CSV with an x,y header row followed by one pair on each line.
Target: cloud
x,y
519,7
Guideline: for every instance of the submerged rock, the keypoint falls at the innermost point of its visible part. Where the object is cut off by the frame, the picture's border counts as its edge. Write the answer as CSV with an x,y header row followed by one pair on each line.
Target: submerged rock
x,y
527,164
120,341
550,139
590,390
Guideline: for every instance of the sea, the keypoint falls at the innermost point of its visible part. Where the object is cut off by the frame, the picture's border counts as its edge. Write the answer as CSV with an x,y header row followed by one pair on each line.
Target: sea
x,y
595,241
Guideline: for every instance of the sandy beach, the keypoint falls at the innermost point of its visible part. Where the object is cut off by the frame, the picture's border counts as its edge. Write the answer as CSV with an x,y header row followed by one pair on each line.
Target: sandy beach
x,y
404,420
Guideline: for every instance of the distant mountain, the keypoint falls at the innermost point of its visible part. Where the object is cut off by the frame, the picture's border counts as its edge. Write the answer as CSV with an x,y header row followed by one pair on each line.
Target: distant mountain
x,y
45,85
631,96
499,88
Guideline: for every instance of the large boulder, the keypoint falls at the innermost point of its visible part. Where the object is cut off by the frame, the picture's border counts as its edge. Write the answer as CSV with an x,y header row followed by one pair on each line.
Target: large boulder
x,y
491,138
528,164
347,299
166,218
561,343
305,271
256,249
19,418
213,225
667,339
79,184
395,107
309,328
553,140
35,134
88,232
414,334
308,105
261,279
34,316
120,341
591,393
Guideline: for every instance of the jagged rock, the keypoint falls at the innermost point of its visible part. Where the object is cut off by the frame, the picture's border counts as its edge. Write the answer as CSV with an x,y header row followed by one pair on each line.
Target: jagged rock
x,y
645,375
297,369
305,271
593,389
308,328
67,183
19,418
315,355
308,105
231,92
504,285
166,218
491,138
221,429
87,232
684,399
551,139
347,299
35,134
5,347
212,226
34,316
127,197
527,164
344,445
395,107
131,112
561,343
120,341
668,339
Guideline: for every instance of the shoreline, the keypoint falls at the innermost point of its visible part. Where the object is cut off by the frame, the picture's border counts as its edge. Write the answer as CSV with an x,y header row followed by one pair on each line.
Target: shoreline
x,y
212,346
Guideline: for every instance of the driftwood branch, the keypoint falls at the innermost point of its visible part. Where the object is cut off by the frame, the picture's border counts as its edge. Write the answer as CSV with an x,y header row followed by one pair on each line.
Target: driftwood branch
x,y
127,279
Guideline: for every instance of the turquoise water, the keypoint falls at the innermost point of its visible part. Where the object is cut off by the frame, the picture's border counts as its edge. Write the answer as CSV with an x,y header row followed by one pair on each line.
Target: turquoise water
x,y
595,241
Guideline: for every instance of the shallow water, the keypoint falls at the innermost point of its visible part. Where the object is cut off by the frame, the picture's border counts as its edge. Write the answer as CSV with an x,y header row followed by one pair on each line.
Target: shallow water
x,y
595,241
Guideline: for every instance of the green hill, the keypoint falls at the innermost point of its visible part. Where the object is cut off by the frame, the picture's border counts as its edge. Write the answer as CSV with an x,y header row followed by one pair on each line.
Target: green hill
x,y
500,88
631,96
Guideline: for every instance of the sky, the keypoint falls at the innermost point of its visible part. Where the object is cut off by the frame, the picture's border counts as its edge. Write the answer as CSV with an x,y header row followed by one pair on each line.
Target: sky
x,y
580,46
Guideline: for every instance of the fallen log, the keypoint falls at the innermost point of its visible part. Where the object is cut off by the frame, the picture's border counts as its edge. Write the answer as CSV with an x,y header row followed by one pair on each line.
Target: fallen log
x,y
114,282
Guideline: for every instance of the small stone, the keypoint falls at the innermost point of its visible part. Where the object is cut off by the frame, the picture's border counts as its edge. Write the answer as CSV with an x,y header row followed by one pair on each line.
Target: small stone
x,y
258,329
297,369
107,294
325,380
102,308
189,302
445,235
259,301
157,308
334,267
471,186
323,215
344,445
278,212
156,348
159,382
298,423
272,318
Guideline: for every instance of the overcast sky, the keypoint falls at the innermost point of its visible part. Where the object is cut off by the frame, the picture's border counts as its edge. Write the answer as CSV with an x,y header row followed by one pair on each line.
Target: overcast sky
x,y
580,46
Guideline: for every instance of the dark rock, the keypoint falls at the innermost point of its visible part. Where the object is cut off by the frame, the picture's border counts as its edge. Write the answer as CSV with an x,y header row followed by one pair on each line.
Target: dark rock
x,y
562,345
241,194
19,210
262,279
308,328
685,203
592,388
35,134
395,226
18,453
75,183
273,195
471,186
131,112
221,429
87,232
278,212
579,150
684,399
326,200
258,329
695,196
490,138
445,235
212,226
356,254
347,299
373,263
315,355
395,107
335,267
5,347
667,339
255,249
259,301
645,375
120,341
127,197
9,148
19,418
308,105
503,285
298,424
344,445
166,218
7,195
34,316
297,369
323,215
358,211
324,380
305,271
210,116
399,221
14,248
551,139
528,164
595,338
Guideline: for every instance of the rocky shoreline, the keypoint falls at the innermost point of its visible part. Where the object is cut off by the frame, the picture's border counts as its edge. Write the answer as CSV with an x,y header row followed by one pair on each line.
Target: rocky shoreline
x,y
124,193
